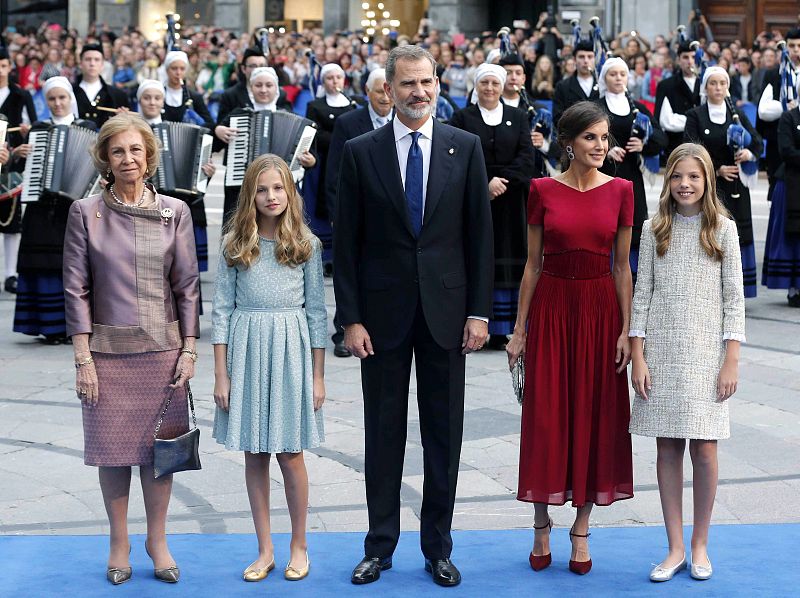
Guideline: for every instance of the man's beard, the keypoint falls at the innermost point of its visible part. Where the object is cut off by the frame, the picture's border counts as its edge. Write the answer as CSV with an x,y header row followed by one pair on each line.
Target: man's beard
x,y
416,114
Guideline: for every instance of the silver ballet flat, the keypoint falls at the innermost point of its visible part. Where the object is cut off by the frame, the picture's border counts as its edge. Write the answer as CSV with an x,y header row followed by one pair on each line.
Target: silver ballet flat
x,y
701,572
661,573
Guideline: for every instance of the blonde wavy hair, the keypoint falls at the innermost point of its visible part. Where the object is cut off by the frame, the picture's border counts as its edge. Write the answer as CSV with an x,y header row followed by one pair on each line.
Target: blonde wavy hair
x,y
711,207
293,239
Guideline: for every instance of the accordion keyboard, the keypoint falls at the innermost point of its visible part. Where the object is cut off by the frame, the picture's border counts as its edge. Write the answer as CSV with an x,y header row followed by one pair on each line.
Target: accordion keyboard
x,y
33,178
238,158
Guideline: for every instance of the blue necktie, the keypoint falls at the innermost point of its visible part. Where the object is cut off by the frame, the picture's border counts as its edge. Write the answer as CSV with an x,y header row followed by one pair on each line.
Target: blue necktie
x,y
414,183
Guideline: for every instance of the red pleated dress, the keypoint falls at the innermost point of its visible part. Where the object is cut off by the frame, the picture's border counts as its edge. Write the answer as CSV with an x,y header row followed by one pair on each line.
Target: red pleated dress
x,y
575,444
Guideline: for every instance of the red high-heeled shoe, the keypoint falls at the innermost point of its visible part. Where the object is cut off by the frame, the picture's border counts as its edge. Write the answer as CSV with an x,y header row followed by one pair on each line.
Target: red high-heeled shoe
x,y
579,567
542,561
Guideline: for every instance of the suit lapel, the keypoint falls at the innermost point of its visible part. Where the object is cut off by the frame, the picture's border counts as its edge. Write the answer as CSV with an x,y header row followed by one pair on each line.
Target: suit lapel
x,y
365,122
388,170
443,153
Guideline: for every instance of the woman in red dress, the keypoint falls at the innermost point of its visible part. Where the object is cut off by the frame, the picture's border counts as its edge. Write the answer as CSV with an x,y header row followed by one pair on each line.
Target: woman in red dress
x,y
572,326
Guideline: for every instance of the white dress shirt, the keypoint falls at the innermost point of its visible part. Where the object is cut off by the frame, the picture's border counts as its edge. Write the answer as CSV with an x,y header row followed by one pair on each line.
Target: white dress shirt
x,y
91,89
63,120
402,141
338,100
492,117
154,121
717,113
618,104
513,102
174,97
586,83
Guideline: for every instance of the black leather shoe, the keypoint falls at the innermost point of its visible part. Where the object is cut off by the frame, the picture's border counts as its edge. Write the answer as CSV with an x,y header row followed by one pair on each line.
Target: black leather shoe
x,y
794,300
443,571
340,350
11,285
369,569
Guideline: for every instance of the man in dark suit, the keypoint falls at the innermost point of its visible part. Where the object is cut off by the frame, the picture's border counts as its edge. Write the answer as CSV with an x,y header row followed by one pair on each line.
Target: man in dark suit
x,y
414,268
580,86
92,92
239,96
675,96
349,126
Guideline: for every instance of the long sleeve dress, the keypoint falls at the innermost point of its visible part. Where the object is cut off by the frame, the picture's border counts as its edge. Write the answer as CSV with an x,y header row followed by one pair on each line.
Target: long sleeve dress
x,y
508,154
686,306
630,168
270,316
734,194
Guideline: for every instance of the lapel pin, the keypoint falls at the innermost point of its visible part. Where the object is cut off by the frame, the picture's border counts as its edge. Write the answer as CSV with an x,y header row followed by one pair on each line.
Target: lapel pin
x,y
508,123
98,214
166,214
451,151
707,132
798,127
330,116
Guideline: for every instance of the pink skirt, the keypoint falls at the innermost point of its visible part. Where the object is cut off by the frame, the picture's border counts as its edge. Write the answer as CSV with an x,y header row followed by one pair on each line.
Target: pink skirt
x,y
133,389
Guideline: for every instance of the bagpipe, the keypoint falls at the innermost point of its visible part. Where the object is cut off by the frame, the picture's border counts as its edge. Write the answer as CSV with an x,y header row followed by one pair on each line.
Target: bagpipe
x,y
739,138
788,76
642,128
172,36
313,72
700,61
600,48
541,119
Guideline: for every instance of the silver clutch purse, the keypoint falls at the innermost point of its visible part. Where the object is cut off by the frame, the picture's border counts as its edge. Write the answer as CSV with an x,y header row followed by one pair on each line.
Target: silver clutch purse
x,y
518,378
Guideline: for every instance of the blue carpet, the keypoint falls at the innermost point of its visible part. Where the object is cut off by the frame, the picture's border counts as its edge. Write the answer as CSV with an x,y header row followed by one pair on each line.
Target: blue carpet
x,y
755,560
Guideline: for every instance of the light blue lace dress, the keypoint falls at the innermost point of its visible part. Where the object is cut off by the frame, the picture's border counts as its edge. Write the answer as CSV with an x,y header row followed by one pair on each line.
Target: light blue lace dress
x,y
270,316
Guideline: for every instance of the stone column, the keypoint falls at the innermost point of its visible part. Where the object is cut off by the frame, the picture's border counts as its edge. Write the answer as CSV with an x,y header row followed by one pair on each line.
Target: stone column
x,y
336,15
78,15
231,15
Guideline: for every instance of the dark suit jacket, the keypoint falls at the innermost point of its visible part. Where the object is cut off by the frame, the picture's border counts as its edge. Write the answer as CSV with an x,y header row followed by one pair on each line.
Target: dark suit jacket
x,y
382,270
348,126
18,100
568,92
681,100
108,97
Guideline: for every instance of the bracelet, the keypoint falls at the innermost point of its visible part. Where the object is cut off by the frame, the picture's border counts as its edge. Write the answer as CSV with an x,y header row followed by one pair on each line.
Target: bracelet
x,y
83,362
190,353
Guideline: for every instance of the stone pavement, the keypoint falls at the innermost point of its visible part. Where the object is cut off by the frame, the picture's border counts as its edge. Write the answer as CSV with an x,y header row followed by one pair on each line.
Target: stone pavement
x,y
46,489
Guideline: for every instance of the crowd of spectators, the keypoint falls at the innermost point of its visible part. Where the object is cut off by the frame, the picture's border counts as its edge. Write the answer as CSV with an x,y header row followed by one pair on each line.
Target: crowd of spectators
x,y
52,50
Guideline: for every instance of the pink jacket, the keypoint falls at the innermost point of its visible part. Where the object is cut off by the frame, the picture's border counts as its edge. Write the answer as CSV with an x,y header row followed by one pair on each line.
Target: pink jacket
x,y
130,275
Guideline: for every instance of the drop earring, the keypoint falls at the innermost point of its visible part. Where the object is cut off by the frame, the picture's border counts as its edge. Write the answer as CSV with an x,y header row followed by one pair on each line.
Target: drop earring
x,y
570,153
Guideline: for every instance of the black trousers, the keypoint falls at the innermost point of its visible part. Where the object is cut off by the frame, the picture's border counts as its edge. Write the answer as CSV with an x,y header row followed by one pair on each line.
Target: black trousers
x,y
440,397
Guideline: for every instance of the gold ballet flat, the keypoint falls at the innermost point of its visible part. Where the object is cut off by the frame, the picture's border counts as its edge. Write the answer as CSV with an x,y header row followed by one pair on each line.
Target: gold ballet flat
x,y
253,574
118,575
293,574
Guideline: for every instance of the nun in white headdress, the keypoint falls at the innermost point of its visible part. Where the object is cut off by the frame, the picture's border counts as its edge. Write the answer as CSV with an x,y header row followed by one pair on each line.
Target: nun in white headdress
x,y
181,104
627,151
39,309
329,105
709,124
510,165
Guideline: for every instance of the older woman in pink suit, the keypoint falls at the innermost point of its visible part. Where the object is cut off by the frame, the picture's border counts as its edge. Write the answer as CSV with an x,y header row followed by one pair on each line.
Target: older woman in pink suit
x,y
132,298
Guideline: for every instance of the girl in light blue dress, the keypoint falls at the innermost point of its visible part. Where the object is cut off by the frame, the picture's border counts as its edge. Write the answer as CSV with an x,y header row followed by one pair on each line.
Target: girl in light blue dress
x,y
269,336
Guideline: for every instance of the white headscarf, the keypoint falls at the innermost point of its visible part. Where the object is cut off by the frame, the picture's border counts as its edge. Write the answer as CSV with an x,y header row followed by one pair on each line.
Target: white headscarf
x,y
62,83
494,54
149,84
175,55
602,88
264,71
330,67
712,70
488,70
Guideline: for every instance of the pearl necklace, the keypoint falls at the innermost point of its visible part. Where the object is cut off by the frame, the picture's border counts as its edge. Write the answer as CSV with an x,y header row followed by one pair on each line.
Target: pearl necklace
x,y
122,203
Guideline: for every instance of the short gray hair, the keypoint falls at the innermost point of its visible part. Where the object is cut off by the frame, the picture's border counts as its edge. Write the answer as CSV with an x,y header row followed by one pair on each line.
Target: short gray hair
x,y
375,75
407,53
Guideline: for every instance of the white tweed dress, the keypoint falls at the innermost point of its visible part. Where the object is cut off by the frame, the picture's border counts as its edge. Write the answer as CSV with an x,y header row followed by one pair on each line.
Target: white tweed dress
x,y
686,305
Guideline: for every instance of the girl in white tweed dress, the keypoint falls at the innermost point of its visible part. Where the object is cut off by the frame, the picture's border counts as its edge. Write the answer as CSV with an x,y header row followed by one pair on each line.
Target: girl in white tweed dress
x,y
687,325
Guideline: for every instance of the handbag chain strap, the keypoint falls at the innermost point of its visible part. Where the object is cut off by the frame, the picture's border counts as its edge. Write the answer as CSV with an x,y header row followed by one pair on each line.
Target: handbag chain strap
x,y
169,400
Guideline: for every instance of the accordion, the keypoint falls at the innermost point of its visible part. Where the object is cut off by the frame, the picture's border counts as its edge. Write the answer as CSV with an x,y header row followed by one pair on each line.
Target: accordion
x,y
59,163
264,132
184,150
